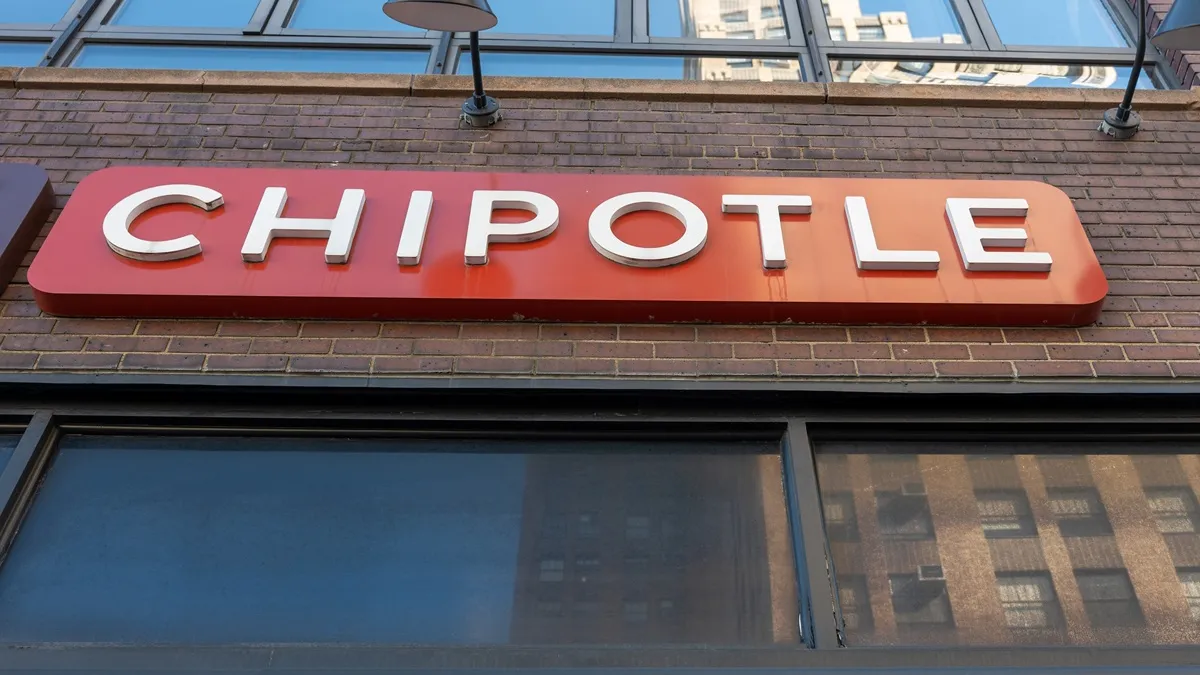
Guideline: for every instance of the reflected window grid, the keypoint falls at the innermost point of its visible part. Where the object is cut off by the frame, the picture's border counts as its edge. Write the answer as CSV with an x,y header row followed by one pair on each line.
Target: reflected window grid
x,y
1174,508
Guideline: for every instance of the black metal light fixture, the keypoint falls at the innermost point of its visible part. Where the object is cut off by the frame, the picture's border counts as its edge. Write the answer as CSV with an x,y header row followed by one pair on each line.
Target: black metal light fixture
x,y
459,16
1180,30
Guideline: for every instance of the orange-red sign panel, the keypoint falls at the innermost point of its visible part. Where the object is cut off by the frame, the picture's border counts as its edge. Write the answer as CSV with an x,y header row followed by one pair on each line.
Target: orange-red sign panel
x,y
561,276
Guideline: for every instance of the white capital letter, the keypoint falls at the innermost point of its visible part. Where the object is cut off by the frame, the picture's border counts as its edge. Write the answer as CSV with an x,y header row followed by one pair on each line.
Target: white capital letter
x,y
866,250
412,239
121,217
269,224
481,230
770,227
695,229
972,239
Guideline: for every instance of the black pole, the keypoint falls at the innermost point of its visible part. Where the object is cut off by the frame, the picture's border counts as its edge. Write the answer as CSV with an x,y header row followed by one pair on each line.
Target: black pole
x,y
1126,106
477,72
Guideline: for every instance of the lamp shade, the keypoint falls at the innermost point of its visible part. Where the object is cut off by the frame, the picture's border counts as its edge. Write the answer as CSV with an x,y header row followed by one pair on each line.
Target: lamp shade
x,y
464,16
1181,28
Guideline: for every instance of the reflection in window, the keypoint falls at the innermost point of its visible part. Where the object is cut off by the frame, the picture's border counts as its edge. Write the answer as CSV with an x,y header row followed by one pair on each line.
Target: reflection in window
x,y
985,74
354,15
1028,601
8,443
1079,512
1060,23
1108,598
1189,579
1174,509
36,12
218,540
920,21
634,67
22,53
252,58
717,19
1005,514
841,523
555,17
209,14
987,572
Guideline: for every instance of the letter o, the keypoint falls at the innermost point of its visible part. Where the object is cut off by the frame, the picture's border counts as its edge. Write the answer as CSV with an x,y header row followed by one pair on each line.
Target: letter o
x,y
695,229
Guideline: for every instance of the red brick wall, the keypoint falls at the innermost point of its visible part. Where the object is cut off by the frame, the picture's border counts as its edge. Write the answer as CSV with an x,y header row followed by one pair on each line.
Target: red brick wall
x,y
1140,201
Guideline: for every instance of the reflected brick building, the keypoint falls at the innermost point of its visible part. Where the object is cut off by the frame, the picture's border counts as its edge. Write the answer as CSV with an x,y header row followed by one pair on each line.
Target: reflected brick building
x,y
1009,549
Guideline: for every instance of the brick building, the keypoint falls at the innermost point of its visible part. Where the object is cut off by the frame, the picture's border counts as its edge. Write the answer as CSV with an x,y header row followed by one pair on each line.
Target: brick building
x,y
221,494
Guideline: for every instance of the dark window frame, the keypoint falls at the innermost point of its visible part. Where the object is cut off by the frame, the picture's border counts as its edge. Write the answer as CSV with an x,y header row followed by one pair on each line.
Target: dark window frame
x,y
803,413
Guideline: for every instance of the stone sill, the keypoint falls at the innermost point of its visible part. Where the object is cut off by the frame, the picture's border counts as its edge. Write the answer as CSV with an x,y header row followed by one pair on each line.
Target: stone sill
x,y
576,88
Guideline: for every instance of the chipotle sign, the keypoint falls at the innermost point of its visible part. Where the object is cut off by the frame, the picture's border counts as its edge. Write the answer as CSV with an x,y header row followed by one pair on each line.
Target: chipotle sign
x,y
264,243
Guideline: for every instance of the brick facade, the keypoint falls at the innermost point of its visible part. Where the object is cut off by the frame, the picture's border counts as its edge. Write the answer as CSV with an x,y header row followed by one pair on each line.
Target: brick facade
x,y
1139,200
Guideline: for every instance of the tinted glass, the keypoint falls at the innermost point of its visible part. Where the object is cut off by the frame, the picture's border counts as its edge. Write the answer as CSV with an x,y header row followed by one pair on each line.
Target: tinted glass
x,y
1023,548
40,11
8,443
635,67
206,14
230,540
1060,23
252,58
986,74
907,21
759,20
22,53
573,17
364,15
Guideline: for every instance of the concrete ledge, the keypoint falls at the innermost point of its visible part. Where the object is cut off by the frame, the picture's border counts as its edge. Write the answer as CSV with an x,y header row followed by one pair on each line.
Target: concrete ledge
x,y
110,79
306,83
459,86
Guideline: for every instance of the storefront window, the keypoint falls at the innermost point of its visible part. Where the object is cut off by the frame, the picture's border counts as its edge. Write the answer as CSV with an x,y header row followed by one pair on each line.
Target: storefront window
x,y
208,14
39,12
255,540
252,58
1060,23
893,21
1023,547
745,20
985,74
21,53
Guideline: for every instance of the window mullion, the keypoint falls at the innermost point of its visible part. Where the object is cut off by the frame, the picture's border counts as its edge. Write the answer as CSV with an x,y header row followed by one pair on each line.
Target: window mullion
x,y
638,21
19,477
981,32
820,628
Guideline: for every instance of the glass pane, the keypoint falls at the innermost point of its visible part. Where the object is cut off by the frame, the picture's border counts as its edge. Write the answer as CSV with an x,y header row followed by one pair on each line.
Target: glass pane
x,y
22,53
1060,23
1020,545
206,14
986,74
8,443
893,21
556,17
40,11
729,19
364,15
252,58
635,67
252,540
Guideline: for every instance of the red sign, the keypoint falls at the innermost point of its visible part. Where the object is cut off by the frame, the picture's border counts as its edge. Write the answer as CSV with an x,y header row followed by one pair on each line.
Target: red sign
x,y
198,242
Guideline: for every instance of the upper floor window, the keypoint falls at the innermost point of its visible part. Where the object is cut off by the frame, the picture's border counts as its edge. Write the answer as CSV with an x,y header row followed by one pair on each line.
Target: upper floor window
x,y
1174,508
34,12
206,14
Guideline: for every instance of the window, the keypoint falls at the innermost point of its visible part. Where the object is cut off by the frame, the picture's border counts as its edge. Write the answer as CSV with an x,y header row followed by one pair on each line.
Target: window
x,y
580,17
921,21
252,58
1079,512
855,603
22,53
1108,598
870,33
211,14
770,10
710,19
637,527
586,525
598,65
841,522
1005,514
1174,508
8,443
904,514
1061,23
1029,601
39,12
1189,580
986,74
347,15
222,540
920,604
